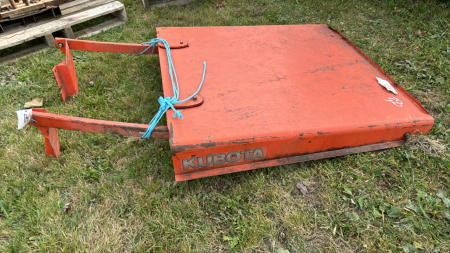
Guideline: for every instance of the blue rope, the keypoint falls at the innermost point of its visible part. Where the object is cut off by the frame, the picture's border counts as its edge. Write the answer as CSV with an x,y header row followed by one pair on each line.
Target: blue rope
x,y
168,102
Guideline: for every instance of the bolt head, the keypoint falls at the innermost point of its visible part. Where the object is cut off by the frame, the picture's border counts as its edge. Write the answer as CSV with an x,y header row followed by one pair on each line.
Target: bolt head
x,y
181,42
194,98
60,44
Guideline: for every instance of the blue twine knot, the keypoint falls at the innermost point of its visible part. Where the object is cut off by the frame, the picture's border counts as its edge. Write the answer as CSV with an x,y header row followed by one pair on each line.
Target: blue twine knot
x,y
168,102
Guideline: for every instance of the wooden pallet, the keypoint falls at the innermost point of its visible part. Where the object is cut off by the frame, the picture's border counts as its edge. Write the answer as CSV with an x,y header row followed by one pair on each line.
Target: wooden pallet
x,y
21,9
26,9
75,12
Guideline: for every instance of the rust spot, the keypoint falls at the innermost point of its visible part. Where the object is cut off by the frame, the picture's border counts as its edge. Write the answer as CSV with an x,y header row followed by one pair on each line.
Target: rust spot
x,y
183,148
278,79
171,134
333,67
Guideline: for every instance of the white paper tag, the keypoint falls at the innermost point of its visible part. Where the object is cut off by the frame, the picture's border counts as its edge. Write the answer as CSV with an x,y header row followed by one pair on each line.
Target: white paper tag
x,y
24,117
387,85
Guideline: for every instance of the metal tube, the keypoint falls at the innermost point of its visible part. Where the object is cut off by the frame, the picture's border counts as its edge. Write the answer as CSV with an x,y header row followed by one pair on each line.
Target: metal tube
x,y
96,46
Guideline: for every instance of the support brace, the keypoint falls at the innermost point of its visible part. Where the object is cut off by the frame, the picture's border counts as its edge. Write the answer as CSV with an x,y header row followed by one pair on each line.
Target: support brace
x,y
49,123
65,73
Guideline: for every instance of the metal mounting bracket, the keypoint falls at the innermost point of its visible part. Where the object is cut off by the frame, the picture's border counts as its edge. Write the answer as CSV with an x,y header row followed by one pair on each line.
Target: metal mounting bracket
x,y
65,73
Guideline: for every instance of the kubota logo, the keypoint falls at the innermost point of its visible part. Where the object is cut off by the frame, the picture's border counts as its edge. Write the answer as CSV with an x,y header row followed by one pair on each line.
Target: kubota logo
x,y
221,158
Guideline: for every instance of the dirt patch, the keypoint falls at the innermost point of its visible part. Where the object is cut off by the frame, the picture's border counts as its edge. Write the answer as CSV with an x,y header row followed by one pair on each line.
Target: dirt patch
x,y
7,78
322,242
430,100
311,198
425,144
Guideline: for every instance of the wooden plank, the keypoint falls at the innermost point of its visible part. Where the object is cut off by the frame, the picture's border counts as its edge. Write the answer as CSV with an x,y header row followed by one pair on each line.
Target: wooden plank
x,y
68,33
21,15
49,40
146,4
28,14
80,34
6,14
20,5
73,3
32,7
18,37
122,15
23,9
84,6
13,4
51,3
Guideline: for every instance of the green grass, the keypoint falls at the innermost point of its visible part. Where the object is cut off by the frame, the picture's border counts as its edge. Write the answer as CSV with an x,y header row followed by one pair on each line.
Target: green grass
x,y
122,191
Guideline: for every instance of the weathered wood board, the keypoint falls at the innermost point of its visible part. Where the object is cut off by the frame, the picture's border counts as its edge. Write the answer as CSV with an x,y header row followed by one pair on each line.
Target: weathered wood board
x,y
26,7
84,5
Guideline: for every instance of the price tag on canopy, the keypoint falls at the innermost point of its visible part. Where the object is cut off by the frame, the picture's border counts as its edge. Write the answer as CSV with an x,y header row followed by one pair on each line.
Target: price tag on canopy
x,y
24,117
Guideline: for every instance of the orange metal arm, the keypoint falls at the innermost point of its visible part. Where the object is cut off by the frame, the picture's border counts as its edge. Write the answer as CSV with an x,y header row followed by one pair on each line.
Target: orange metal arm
x,y
96,46
111,47
49,123
46,119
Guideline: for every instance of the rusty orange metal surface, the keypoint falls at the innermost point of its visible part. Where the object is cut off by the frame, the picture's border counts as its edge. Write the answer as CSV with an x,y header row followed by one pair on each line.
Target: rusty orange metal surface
x,y
65,74
272,95
277,92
